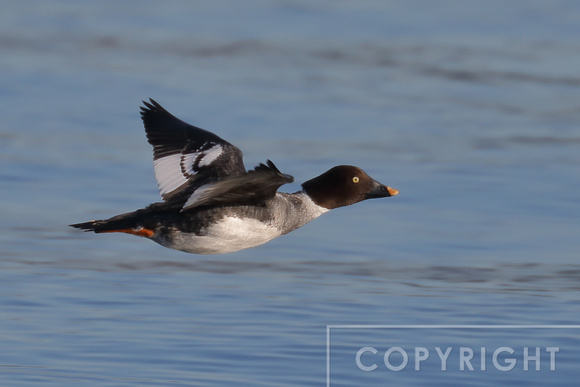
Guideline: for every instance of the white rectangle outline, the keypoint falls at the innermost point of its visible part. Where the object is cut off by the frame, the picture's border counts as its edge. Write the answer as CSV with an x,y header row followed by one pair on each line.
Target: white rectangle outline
x,y
329,327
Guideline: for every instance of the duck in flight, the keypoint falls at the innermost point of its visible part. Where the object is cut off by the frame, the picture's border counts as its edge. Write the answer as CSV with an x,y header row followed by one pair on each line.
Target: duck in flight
x,y
212,205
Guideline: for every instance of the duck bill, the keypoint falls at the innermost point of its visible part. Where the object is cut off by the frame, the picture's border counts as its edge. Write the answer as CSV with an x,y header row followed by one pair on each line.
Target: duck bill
x,y
379,190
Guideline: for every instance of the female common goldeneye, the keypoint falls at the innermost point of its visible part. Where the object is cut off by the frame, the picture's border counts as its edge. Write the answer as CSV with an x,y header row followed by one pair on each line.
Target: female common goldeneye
x,y
212,205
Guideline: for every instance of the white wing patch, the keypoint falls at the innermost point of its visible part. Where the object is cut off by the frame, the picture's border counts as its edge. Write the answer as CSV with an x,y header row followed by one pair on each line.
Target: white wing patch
x,y
199,193
173,171
210,155
168,174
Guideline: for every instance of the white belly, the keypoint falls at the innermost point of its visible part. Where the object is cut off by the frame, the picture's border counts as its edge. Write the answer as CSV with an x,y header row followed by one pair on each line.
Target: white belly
x,y
228,235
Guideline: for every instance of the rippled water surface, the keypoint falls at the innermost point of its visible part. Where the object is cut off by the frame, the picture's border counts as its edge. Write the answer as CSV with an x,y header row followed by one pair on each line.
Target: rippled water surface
x,y
471,110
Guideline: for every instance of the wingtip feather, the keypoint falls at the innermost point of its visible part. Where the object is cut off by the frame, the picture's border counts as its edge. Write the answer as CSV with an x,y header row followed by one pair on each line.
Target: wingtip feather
x,y
151,107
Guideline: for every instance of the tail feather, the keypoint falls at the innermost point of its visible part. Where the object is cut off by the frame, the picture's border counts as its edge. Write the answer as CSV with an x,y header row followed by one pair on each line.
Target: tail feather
x,y
138,223
119,222
126,221
114,225
96,226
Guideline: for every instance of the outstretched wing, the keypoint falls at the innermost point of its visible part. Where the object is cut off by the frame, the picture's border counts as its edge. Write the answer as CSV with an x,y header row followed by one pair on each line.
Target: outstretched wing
x,y
185,156
252,188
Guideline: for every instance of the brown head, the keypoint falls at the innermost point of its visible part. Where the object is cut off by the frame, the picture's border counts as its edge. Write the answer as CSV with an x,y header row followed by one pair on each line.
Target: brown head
x,y
344,185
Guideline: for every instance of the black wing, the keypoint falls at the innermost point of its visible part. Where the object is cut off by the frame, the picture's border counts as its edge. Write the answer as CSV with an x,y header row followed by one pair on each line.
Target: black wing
x,y
185,156
252,188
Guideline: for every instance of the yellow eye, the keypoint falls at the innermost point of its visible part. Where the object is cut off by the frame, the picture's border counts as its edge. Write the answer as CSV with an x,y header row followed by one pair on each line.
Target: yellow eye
x,y
355,179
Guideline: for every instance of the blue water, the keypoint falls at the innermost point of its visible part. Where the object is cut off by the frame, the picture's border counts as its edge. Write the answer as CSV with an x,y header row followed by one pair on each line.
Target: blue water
x,y
470,109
